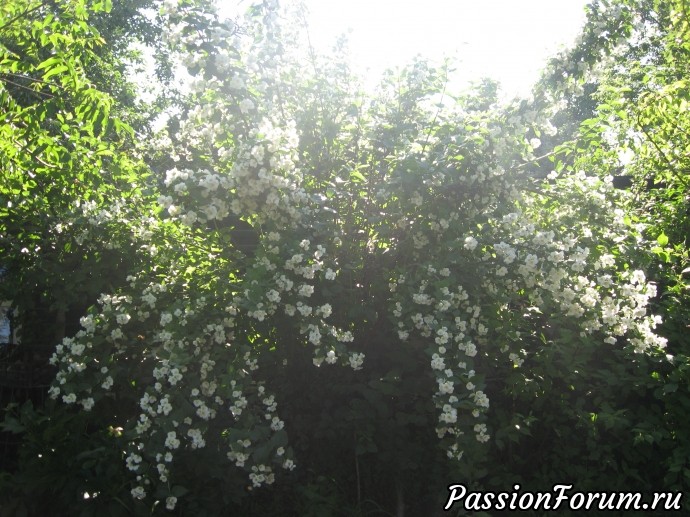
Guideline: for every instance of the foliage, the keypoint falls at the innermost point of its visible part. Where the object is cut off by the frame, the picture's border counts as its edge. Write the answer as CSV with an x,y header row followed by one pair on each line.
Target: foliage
x,y
339,294
64,460
638,131
65,174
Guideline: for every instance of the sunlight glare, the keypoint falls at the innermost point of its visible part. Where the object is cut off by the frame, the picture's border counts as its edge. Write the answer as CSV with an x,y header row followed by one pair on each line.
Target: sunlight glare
x,y
506,40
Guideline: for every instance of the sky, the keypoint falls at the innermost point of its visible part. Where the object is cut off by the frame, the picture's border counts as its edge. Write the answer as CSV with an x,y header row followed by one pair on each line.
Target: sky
x,y
508,40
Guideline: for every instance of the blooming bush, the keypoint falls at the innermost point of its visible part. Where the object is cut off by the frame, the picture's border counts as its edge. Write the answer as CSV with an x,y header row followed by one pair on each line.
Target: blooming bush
x,y
346,292
405,216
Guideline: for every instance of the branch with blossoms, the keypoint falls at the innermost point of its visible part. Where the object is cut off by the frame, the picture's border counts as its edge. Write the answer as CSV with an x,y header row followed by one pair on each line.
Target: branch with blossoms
x,y
422,219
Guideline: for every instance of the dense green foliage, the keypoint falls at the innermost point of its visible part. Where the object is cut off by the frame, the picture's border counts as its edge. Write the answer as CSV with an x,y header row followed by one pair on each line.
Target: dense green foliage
x,y
65,145
300,298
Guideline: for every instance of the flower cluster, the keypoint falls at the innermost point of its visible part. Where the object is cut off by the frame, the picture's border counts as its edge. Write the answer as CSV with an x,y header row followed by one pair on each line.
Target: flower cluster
x,y
150,327
475,281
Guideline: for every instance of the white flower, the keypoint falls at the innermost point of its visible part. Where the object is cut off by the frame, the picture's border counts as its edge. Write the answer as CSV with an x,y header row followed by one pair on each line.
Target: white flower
x,y
346,337
480,428
258,314
175,376
422,298
88,323
277,424
531,261
246,106
356,361
165,201
204,412
511,218
171,442
638,277
164,407
315,336
445,387
197,440
133,461
506,251
236,83
449,415
605,261
150,299
480,399
306,290
138,492
170,502
516,359
210,182
470,350
304,310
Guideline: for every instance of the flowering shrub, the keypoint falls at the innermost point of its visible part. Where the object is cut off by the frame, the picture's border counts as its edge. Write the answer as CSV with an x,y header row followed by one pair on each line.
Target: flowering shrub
x,y
341,291
405,216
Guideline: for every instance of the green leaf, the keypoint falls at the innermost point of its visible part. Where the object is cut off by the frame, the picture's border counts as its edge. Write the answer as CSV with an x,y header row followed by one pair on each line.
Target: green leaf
x,y
54,71
357,176
179,491
12,425
670,388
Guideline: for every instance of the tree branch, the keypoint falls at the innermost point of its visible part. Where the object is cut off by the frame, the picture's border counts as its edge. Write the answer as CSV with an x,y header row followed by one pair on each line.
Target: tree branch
x,y
21,15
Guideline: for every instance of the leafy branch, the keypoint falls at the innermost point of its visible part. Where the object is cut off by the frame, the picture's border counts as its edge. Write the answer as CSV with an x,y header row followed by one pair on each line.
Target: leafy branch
x,y
662,154
21,15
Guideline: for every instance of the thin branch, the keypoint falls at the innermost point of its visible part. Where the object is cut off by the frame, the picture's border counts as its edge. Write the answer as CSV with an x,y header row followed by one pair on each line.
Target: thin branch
x,y
535,160
35,92
21,15
33,79
25,147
